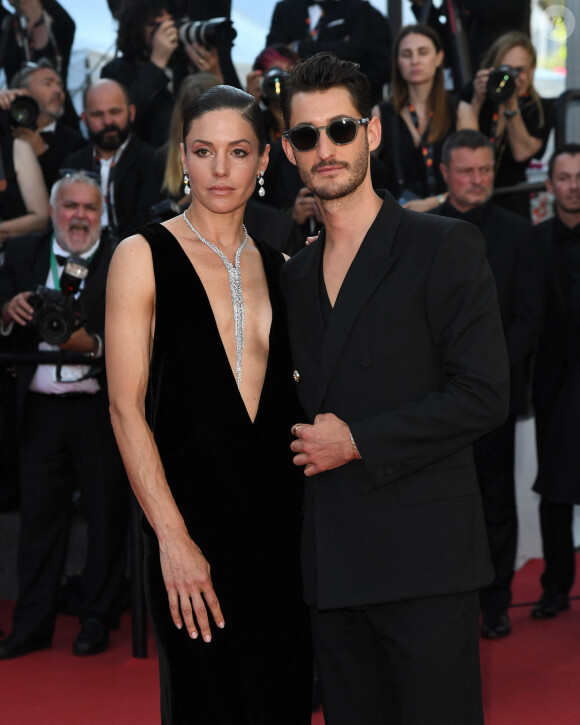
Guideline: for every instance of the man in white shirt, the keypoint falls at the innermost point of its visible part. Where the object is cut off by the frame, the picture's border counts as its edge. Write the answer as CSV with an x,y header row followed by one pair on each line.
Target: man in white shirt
x,y
65,438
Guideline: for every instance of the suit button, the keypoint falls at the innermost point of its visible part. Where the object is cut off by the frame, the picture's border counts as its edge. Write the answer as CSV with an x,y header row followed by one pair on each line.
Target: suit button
x,y
366,361
389,470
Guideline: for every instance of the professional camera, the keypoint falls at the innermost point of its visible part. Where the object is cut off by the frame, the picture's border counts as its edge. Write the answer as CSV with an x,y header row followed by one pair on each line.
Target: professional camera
x,y
23,112
271,85
501,83
57,314
214,33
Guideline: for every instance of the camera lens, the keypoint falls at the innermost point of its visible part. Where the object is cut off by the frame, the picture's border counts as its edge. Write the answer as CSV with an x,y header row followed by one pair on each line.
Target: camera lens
x,y
24,112
501,83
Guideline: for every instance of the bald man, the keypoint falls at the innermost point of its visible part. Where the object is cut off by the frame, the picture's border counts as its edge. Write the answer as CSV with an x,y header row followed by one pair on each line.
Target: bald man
x,y
118,157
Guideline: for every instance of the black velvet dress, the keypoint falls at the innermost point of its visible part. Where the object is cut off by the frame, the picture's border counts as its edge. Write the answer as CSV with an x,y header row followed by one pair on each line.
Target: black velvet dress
x,y
241,497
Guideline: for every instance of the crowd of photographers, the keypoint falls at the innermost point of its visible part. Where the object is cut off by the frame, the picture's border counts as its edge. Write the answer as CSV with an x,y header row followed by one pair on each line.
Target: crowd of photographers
x,y
124,170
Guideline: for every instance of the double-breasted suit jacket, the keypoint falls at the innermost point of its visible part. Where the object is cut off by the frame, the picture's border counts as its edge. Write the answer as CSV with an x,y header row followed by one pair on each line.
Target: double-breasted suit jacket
x,y
414,359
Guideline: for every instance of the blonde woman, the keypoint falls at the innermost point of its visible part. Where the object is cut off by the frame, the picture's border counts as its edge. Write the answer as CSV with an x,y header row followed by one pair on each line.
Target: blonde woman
x,y
518,125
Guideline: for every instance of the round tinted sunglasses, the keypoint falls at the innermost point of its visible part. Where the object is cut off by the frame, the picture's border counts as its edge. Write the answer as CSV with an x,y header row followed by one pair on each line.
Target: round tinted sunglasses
x,y
341,131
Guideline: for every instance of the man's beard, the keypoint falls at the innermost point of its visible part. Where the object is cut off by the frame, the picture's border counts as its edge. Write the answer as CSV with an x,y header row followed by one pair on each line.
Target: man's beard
x,y
337,190
113,142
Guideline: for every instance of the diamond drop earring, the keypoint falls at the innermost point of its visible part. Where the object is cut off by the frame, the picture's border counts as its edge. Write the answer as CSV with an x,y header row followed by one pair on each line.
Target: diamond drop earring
x,y
187,188
261,190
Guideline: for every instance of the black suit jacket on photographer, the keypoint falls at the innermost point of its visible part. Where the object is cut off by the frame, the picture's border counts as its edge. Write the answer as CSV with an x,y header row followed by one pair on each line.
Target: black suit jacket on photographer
x,y
129,173
352,29
26,265
61,143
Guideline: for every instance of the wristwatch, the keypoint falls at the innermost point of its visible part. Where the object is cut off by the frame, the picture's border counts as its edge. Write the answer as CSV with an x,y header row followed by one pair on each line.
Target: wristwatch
x,y
511,114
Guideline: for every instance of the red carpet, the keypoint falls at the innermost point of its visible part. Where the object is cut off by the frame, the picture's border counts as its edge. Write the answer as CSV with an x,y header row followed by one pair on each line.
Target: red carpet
x,y
530,678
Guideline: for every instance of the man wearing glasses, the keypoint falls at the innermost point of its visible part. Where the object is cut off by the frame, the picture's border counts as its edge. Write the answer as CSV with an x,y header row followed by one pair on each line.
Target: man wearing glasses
x,y
400,362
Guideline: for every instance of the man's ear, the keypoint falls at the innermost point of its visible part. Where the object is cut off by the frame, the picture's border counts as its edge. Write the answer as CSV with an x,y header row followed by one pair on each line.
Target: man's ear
x,y
443,170
289,151
549,186
132,112
374,133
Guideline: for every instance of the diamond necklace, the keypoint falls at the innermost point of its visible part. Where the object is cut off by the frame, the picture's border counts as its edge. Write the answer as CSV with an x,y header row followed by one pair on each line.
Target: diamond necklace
x,y
235,281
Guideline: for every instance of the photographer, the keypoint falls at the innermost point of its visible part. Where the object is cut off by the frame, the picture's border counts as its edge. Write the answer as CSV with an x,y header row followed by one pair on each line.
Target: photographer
x,y
156,56
49,34
65,436
42,125
509,111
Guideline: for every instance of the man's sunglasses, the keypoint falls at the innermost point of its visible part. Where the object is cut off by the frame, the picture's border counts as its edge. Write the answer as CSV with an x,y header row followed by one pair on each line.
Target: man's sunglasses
x,y
341,131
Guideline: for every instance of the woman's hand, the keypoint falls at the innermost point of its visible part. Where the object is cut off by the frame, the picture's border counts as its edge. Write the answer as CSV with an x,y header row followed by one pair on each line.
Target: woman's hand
x,y
480,87
206,59
186,573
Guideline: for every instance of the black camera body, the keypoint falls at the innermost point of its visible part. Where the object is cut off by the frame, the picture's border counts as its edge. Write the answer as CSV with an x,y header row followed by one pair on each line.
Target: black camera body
x,y
213,33
501,83
56,316
57,313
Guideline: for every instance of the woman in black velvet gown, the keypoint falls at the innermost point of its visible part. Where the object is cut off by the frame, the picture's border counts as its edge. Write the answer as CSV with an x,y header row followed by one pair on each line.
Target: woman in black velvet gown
x,y
194,320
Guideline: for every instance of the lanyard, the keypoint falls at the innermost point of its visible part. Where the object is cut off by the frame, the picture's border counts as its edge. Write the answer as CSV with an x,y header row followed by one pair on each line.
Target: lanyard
x,y
426,148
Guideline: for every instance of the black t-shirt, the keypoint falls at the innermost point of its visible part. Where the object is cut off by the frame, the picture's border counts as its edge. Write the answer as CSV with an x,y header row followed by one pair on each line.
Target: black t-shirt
x,y
539,120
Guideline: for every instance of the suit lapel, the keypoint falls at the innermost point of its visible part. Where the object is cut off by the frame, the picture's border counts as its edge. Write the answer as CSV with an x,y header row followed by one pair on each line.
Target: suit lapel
x,y
370,266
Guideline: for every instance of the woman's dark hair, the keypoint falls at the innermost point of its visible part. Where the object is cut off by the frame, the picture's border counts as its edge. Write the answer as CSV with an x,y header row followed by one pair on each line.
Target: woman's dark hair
x,y
321,72
220,98
438,101
133,17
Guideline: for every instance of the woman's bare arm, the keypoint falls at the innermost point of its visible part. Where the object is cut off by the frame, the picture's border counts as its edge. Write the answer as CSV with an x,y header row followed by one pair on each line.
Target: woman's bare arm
x,y
32,190
128,335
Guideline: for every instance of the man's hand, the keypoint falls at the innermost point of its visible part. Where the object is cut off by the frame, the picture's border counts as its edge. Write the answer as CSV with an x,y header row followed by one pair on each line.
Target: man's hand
x,y
323,446
254,85
39,146
186,573
18,310
79,341
7,96
304,207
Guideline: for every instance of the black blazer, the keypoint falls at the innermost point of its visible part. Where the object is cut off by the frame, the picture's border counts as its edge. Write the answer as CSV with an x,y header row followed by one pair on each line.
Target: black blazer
x,y
414,360
129,173
61,144
26,265
515,258
557,367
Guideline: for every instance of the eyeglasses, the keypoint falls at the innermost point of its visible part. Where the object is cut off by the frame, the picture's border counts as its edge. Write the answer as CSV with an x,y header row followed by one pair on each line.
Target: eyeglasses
x,y
341,131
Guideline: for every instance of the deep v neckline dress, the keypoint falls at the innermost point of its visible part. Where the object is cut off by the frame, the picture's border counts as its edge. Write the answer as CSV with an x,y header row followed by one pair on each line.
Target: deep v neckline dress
x,y
240,495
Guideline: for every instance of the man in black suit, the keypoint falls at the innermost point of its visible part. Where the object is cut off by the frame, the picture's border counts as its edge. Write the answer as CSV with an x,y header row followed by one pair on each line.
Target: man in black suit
x,y
51,138
557,383
400,364
353,29
65,436
117,156
514,257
